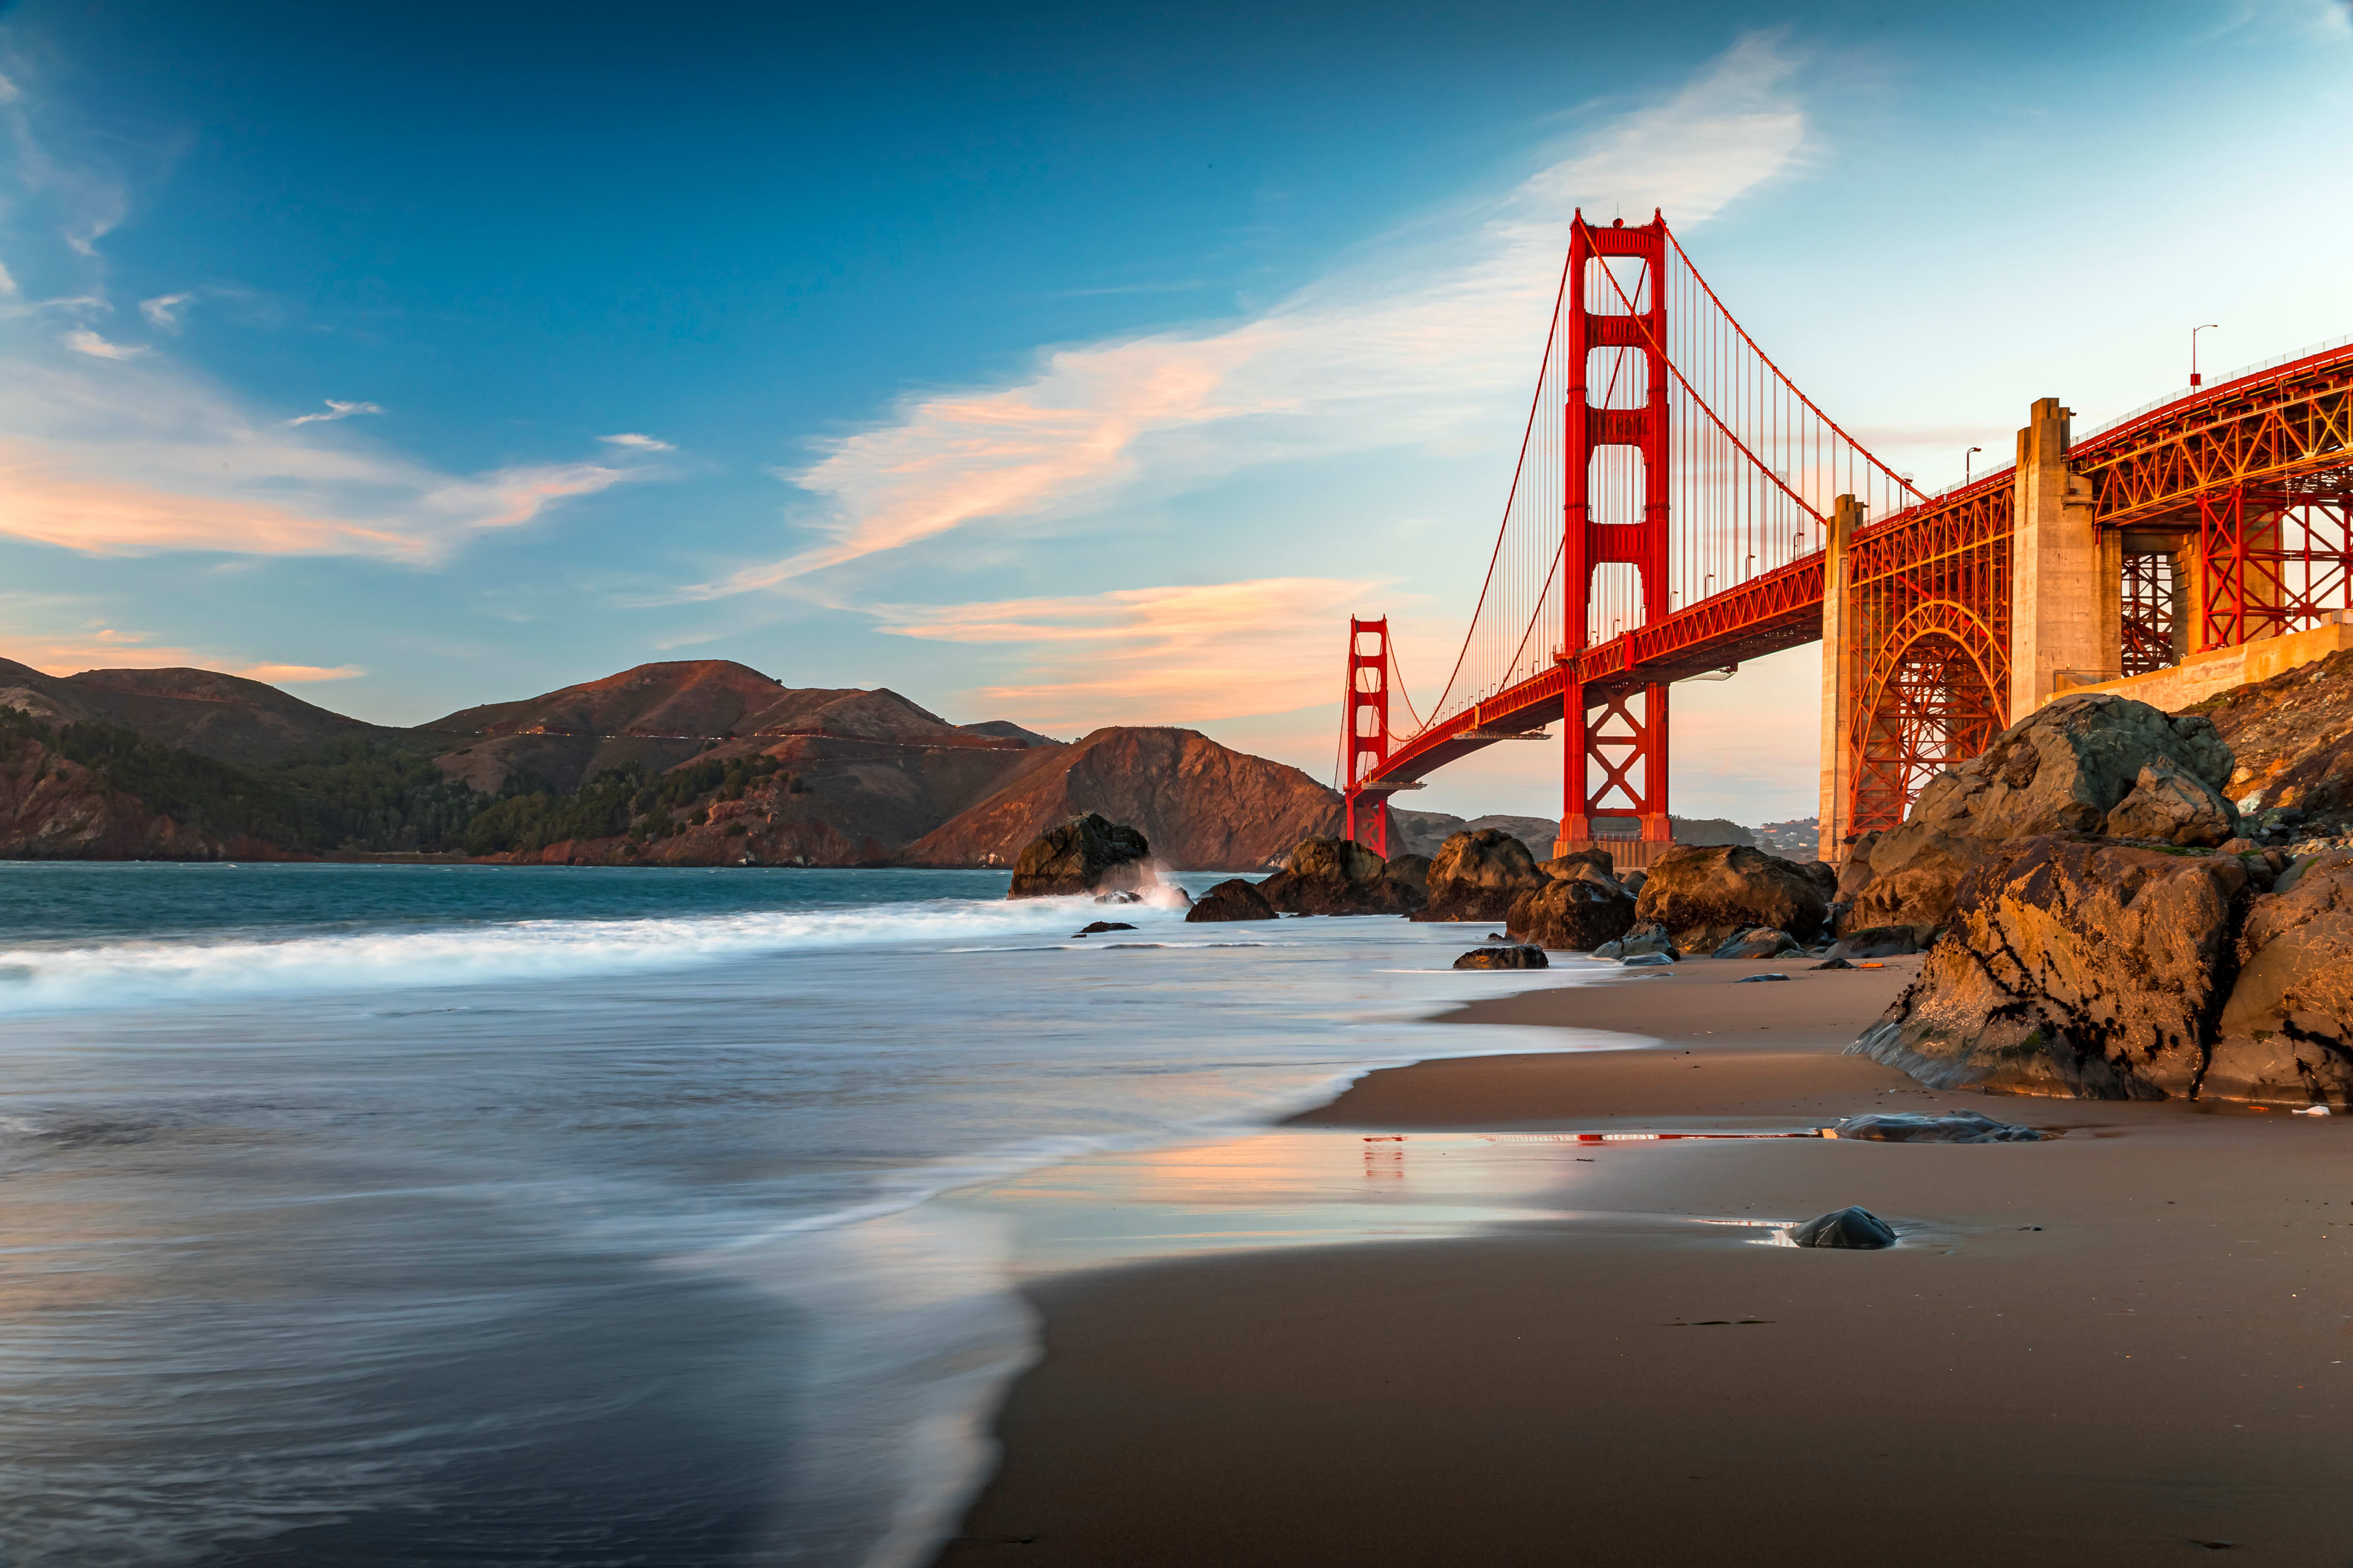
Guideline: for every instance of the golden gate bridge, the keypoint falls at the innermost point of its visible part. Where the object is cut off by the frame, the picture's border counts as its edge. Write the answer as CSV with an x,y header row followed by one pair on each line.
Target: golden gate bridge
x,y
1680,506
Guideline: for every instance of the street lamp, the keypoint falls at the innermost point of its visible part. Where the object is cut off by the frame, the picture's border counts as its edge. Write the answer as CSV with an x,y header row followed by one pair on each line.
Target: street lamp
x,y
1967,469
2195,379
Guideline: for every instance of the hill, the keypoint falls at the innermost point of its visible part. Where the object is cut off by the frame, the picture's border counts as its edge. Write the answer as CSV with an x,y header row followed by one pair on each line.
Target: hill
x,y
225,717
1203,806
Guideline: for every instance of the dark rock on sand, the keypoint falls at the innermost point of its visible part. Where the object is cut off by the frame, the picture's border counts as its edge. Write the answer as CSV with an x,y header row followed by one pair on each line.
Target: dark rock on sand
x,y
2063,768
1761,943
2074,967
1854,1228
1519,956
1084,854
1475,876
1952,1127
1706,895
1095,928
1649,960
1876,942
1236,898
2285,1033
1834,963
1571,914
1751,979
1337,877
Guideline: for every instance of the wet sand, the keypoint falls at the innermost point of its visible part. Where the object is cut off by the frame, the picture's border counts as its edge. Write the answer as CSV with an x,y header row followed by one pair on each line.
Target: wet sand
x,y
2125,1345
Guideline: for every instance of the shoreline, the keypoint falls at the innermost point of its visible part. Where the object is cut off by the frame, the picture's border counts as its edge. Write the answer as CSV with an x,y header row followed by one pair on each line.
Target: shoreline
x,y
2113,1346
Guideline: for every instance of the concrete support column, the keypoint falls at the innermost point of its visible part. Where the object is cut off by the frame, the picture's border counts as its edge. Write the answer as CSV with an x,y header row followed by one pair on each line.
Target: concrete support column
x,y
1839,678
2185,561
2063,631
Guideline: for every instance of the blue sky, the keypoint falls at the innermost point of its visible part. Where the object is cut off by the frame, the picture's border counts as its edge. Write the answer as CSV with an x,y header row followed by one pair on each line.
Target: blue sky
x,y
1077,365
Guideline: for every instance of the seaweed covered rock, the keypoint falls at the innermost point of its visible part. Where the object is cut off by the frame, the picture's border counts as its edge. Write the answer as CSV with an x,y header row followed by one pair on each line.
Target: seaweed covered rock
x,y
1337,877
2063,768
1521,956
1571,914
2285,1033
1704,896
1475,876
2074,967
1087,854
1235,899
1950,1127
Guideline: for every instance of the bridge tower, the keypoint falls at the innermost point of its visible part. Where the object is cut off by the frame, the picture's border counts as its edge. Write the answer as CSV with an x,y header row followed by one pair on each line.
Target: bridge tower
x,y
1614,320
1367,707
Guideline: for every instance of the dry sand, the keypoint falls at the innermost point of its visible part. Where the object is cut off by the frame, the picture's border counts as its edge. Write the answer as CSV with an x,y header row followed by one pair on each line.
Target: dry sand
x,y
2125,1345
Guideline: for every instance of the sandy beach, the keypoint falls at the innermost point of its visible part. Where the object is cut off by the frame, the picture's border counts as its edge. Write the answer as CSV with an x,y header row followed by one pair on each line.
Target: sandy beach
x,y
2122,1345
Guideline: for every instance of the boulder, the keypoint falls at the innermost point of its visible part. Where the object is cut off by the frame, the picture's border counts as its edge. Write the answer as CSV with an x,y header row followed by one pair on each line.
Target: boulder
x,y
1571,914
2061,769
1085,855
1851,1227
1580,862
1761,943
1410,871
1834,963
1475,876
1519,956
1649,939
1235,899
1876,942
2285,1034
2173,805
1096,928
1337,877
1648,960
1632,881
1704,896
2074,967
1952,1127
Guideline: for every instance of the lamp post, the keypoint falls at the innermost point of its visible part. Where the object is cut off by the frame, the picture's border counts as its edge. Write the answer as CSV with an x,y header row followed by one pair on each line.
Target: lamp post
x,y
2195,379
1968,469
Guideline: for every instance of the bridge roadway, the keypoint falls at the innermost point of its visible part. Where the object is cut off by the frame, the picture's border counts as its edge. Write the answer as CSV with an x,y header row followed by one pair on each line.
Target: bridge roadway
x,y
2287,426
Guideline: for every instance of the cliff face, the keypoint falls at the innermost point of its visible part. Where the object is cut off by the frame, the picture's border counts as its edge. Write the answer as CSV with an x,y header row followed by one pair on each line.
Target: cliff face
x,y
52,808
2292,738
1203,806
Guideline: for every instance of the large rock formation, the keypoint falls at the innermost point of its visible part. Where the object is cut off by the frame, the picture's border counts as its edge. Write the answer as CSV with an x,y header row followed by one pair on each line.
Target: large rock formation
x,y
2063,769
2286,1030
1204,807
1233,899
1476,877
1085,855
1706,895
2291,740
2074,967
1337,877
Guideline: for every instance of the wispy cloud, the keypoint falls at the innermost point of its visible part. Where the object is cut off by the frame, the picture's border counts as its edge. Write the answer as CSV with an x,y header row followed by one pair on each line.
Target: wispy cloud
x,y
335,410
636,443
162,311
106,647
1189,654
1425,337
298,674
81,339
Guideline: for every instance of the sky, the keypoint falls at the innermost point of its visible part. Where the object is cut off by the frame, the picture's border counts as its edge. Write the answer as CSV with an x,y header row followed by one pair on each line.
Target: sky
x,y
1073,366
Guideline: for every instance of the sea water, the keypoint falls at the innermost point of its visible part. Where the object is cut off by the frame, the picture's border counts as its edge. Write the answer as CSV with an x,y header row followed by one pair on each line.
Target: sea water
x,y
412,1215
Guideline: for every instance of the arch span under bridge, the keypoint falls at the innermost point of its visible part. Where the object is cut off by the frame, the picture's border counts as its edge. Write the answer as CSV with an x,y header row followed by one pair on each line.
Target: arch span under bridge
x,y
1680,506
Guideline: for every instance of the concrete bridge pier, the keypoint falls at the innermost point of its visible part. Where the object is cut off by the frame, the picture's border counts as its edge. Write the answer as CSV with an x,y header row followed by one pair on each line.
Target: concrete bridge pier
x,y
2066,575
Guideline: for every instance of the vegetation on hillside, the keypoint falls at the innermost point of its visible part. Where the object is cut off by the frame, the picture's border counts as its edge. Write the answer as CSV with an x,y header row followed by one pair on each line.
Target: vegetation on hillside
x,y
362,794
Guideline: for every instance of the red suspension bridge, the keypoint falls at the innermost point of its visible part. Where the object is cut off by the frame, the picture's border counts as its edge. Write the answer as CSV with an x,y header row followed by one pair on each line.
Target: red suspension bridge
x,y
1680,506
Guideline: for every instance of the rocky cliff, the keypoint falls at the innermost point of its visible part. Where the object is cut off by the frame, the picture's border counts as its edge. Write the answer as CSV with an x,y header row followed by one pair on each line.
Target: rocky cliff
x,y
1204,807
52,808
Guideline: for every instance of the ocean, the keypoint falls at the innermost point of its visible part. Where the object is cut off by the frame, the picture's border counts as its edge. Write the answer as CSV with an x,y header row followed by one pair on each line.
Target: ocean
x,y
426,1214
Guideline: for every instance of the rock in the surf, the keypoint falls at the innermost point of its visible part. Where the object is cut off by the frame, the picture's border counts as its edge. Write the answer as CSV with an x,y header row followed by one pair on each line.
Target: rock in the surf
x,y
1851,1227
1475,876
1571,914
1236,898
1337,877
1096,928
1518,956
2074,967
1087,854
1951,1126
1705,895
